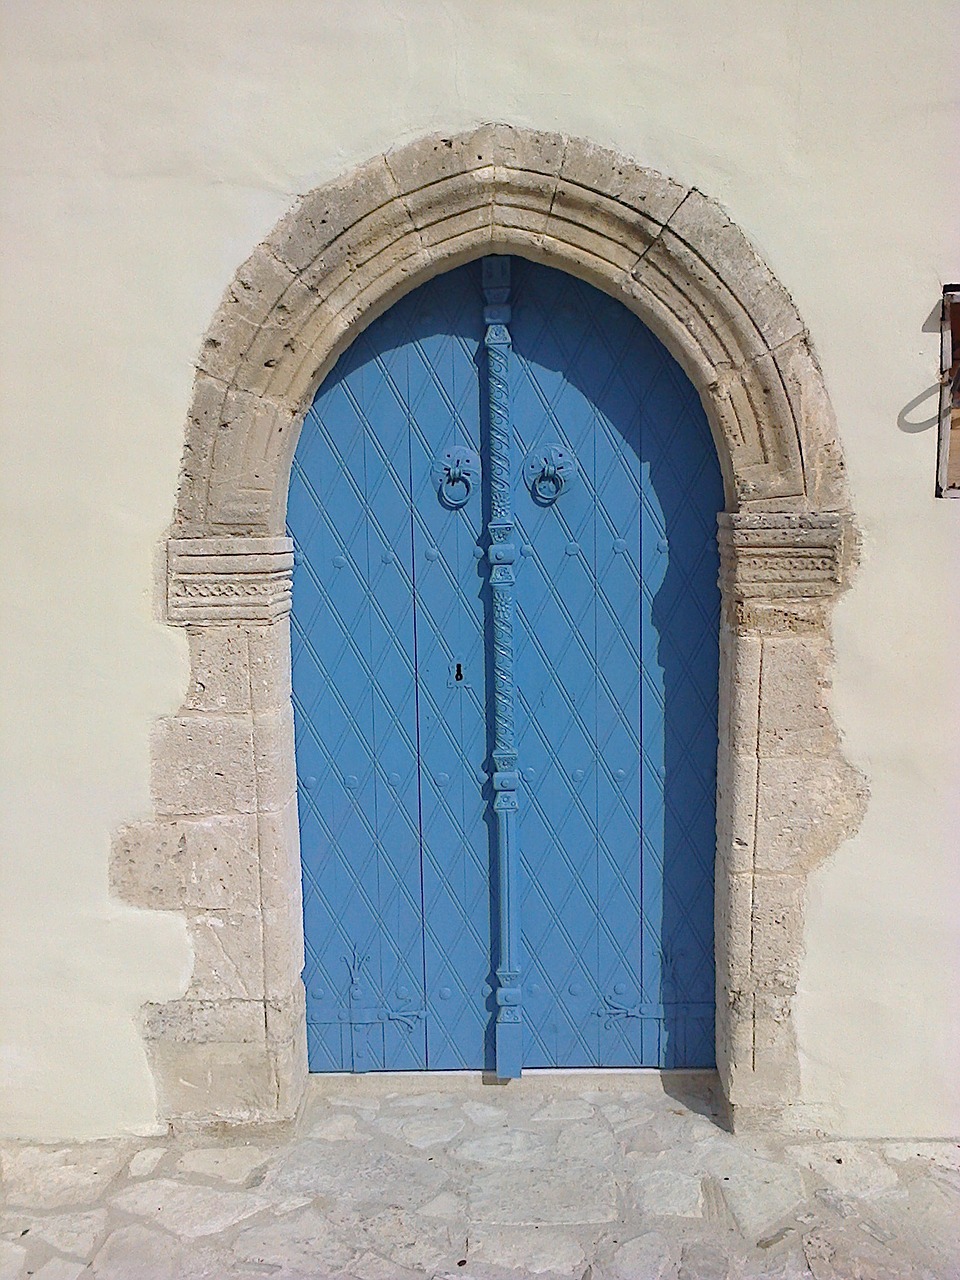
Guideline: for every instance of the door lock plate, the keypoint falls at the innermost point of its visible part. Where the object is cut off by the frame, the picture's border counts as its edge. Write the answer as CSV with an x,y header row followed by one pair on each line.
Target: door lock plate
x,y
457,677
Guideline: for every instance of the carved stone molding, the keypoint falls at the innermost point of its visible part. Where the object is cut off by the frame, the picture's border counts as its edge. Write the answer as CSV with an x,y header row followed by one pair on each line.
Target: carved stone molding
x,y
781,555
216,580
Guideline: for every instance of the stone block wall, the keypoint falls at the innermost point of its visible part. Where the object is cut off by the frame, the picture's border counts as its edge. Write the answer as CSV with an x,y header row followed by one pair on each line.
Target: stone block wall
x,y
224,846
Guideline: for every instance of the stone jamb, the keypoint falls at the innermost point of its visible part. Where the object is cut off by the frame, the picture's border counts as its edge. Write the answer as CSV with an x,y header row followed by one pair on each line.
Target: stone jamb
x,y
224,846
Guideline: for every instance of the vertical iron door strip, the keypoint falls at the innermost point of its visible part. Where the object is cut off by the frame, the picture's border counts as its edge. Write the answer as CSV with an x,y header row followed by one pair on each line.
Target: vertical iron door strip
x,y
502,554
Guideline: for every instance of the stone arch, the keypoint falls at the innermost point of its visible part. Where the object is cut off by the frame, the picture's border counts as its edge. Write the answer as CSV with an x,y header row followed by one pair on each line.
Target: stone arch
x,y
224,846
353,246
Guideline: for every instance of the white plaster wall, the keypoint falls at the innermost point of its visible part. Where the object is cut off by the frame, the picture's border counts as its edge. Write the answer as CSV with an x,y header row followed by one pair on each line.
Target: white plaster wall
x,y
146,150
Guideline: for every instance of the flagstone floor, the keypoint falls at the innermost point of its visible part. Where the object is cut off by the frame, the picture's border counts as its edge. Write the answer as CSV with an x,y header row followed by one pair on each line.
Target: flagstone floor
x,y
402,1178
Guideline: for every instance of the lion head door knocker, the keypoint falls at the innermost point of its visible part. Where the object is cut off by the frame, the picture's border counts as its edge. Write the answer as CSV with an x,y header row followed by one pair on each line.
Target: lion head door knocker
x,y
549,471
455,472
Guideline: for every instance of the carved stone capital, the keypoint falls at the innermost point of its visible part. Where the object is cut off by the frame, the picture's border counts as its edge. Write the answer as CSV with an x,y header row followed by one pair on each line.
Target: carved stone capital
x,y
781,555
216,580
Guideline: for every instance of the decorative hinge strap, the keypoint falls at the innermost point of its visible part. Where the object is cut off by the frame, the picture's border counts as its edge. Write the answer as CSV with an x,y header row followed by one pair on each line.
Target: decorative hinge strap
x,y
367,1015
359,1015
613,1010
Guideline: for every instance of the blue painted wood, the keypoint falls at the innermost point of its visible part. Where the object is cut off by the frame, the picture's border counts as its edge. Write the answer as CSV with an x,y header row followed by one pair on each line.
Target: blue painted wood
x,y
387,604
616,664
615,673
441,348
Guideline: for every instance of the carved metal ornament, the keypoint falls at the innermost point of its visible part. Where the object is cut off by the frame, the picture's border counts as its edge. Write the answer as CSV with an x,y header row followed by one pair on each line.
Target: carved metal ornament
x,y
362,1013
548,471
502,554
613,1010
455,473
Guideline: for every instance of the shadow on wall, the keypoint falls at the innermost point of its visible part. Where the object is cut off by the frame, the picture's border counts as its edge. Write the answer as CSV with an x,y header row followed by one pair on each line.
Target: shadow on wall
x,y
911,418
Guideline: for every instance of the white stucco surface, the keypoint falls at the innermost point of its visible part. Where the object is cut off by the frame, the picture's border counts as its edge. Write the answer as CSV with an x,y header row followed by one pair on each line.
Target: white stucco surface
x,y
147,149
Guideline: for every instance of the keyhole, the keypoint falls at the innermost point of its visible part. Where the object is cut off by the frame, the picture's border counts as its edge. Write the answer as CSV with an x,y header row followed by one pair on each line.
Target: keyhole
x,y
458,674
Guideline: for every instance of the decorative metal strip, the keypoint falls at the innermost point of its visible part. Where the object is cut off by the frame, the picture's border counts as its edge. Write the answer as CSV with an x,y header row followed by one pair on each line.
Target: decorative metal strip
x,y
613,1010
215,580
502,554
780,556
360,1015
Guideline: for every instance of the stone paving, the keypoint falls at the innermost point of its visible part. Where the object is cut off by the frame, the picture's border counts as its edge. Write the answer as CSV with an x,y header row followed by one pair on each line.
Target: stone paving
x,y
582,1177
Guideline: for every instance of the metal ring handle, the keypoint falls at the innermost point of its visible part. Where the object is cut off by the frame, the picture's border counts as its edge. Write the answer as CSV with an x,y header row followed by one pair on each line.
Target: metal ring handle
x,y
548,485
454,473
455,478
548,471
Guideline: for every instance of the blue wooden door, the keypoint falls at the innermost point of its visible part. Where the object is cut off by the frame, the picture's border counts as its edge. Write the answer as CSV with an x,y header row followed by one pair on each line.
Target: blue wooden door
x,y
615,488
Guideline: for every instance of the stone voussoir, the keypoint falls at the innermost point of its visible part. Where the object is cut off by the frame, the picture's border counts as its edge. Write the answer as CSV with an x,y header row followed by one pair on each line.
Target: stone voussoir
x,y
434,159
326,213
597,169
196,467
724,250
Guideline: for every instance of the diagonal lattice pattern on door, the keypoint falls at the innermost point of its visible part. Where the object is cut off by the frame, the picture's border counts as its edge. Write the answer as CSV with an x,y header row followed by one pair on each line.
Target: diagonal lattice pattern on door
x,y
616,679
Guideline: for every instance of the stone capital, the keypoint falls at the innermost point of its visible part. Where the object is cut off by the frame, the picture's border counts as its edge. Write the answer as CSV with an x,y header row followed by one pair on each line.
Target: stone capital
x,y
773,556
228,579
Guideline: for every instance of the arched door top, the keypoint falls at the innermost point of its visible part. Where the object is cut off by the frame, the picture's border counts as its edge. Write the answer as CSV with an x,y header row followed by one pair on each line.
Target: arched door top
x,y
350,248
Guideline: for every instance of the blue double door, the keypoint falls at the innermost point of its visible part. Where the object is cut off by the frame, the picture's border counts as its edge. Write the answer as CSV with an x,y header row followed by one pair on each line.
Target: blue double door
x,y
398,648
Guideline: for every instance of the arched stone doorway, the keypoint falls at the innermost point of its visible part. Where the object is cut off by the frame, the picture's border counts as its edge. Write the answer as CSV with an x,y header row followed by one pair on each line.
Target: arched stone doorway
x,y
224,845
